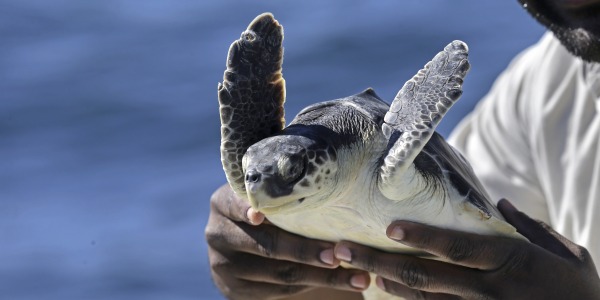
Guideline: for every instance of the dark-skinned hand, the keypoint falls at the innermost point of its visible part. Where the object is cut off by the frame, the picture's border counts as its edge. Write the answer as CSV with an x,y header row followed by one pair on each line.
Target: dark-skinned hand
x,y
251,259
480,267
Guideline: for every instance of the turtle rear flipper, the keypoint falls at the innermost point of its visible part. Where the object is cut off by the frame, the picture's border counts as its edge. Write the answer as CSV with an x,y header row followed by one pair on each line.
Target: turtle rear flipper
x,y
417,110
252,94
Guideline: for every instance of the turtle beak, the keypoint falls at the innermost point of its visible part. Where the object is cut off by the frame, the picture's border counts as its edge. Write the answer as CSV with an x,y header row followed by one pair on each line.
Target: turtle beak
x,y
265,191
257,184
253,181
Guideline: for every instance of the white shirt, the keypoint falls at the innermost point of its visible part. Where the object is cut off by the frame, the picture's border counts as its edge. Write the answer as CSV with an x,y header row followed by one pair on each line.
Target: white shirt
x,y
534,140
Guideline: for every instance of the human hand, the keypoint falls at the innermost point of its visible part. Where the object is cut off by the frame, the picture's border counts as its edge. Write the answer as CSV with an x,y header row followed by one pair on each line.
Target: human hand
x,y
480,267
251,259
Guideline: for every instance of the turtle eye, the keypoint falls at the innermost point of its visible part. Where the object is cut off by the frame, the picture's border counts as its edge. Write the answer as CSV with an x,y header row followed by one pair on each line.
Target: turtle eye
x,y
295,171
292,169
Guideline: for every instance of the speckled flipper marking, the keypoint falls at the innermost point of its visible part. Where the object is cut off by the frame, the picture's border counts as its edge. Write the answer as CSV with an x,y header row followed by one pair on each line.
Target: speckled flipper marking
x,y
417,110
252,94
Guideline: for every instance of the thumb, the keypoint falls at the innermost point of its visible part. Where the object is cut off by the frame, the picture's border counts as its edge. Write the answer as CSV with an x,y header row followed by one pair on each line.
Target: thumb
x,y
536,231
227,203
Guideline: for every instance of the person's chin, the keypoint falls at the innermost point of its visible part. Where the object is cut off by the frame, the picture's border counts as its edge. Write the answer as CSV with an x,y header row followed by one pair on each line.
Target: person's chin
x,y
576,23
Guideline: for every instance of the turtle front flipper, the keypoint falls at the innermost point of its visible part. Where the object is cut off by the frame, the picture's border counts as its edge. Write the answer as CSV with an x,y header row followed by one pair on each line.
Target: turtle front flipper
x,y
417,110
252,94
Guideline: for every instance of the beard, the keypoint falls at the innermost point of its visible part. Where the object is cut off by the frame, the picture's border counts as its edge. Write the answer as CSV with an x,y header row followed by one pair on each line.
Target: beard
x,y
579,33
579,42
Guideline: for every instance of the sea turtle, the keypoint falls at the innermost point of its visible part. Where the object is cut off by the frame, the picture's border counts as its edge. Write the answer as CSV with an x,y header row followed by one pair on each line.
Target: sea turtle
x,y
345,169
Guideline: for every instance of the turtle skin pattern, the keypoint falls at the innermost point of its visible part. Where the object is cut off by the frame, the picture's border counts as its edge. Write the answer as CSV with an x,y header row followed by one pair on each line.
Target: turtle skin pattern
x,y
252,94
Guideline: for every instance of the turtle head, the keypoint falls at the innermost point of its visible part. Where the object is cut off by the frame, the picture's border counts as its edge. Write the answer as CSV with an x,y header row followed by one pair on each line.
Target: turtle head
x,y
286,173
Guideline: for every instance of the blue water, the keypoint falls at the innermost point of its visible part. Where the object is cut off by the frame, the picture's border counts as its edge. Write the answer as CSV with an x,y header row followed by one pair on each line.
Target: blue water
x,y
109,125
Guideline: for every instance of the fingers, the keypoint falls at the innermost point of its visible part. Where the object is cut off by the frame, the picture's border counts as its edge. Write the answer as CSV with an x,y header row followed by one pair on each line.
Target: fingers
x,y
267,241
290,273
273,242
403,291
537,232
462,248
227,203
265,278
413,272
260,261
224,272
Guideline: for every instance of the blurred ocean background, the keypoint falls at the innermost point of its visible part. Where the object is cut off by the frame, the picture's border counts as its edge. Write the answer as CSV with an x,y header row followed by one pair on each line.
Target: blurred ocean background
x,y
109,128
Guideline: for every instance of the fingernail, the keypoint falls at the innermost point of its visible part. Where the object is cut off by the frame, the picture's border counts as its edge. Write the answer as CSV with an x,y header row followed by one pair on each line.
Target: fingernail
x,y
396,233
255,217
343,253
359,281
379,283
326,256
